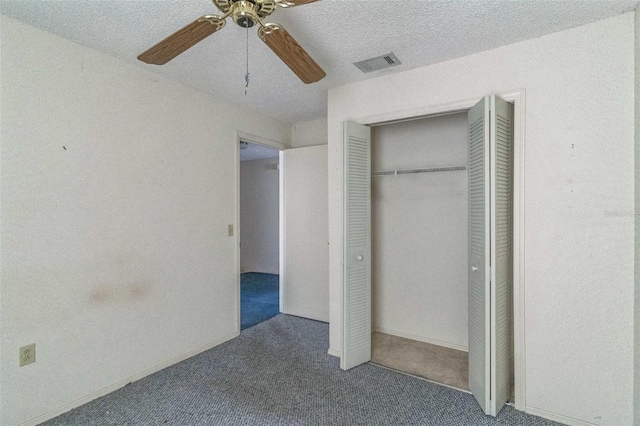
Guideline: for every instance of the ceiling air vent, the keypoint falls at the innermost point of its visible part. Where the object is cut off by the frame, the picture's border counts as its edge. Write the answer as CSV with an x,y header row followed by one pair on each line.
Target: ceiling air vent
x,y
378,63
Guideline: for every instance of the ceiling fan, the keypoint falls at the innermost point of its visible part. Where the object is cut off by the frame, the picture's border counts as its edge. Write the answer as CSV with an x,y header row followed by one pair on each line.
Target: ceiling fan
x,y
245,13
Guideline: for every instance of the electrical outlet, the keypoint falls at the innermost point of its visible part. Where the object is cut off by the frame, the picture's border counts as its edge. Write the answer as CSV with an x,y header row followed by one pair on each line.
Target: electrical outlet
x,y
230,230
27,354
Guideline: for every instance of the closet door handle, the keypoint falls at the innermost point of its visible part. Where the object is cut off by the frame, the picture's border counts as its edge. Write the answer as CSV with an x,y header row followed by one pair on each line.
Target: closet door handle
x,y
359,257
474,268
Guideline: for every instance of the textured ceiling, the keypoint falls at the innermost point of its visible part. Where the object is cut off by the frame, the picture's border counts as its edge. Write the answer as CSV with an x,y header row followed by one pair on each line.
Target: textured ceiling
x,y
335,32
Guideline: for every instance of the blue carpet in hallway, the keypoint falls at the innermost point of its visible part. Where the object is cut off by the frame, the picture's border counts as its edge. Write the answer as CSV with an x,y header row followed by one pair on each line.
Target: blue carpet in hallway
x,y
259,298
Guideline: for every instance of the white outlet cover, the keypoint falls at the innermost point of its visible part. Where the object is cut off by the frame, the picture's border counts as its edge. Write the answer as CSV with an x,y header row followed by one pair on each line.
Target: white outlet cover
x,y
27,354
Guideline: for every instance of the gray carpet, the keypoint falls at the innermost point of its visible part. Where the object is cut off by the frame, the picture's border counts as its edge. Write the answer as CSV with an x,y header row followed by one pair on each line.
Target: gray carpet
x,y
279,373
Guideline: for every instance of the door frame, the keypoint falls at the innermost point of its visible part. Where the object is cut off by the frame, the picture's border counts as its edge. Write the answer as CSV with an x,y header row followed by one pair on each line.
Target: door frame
x,y
517,97
279,146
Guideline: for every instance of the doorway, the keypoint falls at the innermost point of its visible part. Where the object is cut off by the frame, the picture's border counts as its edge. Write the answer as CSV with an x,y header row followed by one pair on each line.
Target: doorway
x,y
259,232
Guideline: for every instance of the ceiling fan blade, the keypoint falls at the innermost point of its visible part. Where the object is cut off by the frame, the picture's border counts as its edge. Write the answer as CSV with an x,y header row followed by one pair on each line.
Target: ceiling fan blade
x,y
182,40
291,3
291,53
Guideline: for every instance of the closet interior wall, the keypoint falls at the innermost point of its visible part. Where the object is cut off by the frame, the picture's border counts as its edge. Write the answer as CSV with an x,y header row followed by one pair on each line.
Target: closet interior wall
x,y
419,231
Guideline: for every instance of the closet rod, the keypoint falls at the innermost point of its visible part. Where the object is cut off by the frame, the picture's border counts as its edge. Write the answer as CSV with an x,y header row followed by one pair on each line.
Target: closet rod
x,y
428,170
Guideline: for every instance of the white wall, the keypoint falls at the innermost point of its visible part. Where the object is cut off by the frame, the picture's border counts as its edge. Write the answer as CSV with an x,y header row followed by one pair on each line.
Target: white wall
x,y
306,266
579,171
115,254
309,133
260,216
419,231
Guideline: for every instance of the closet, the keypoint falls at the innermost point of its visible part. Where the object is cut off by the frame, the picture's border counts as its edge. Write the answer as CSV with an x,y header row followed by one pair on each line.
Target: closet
x,y
428,248
419,217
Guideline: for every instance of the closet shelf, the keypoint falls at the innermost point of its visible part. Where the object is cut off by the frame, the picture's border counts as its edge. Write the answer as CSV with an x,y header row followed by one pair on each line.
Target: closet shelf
x,y
427,170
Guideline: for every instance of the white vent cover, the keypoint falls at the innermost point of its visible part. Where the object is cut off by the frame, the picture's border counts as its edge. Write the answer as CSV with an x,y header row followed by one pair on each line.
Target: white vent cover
x,y
378,63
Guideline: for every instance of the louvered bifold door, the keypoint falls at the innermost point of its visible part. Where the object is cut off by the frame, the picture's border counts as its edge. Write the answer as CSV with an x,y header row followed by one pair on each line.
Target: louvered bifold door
x,y
490,252
356,333
479,256
501,147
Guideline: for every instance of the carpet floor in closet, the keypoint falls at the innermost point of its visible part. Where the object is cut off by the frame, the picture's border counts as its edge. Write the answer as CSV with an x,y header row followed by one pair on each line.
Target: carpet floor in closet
x,y
432,362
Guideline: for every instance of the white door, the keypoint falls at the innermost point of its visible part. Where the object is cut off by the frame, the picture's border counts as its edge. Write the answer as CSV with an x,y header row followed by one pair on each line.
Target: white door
x,y
501,146
306,221
356,321
490,252
479,255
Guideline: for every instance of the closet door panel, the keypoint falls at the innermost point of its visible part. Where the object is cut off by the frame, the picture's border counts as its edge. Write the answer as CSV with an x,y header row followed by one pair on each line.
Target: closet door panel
x,y
479,255
356,345
501,251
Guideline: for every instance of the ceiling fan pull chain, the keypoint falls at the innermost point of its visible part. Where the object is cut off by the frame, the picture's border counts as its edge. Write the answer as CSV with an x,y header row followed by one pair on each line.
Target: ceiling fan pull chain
x,y
247,75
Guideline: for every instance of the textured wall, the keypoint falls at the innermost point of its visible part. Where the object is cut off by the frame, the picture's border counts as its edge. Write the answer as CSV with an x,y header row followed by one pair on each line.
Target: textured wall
x,y
117,189
260,216
579,173
309,133
419,231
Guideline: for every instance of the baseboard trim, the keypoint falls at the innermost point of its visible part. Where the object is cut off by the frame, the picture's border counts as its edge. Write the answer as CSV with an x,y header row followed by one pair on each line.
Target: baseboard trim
x,y
556,417
422,339
111,388
306,316
334,352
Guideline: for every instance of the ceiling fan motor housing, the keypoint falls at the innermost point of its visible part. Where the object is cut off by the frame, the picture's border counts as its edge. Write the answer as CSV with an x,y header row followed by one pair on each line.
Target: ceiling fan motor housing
x,y
246,13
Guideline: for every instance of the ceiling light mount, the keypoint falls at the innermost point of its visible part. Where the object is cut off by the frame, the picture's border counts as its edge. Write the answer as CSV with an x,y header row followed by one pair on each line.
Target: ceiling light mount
x,y
244,13
243,10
